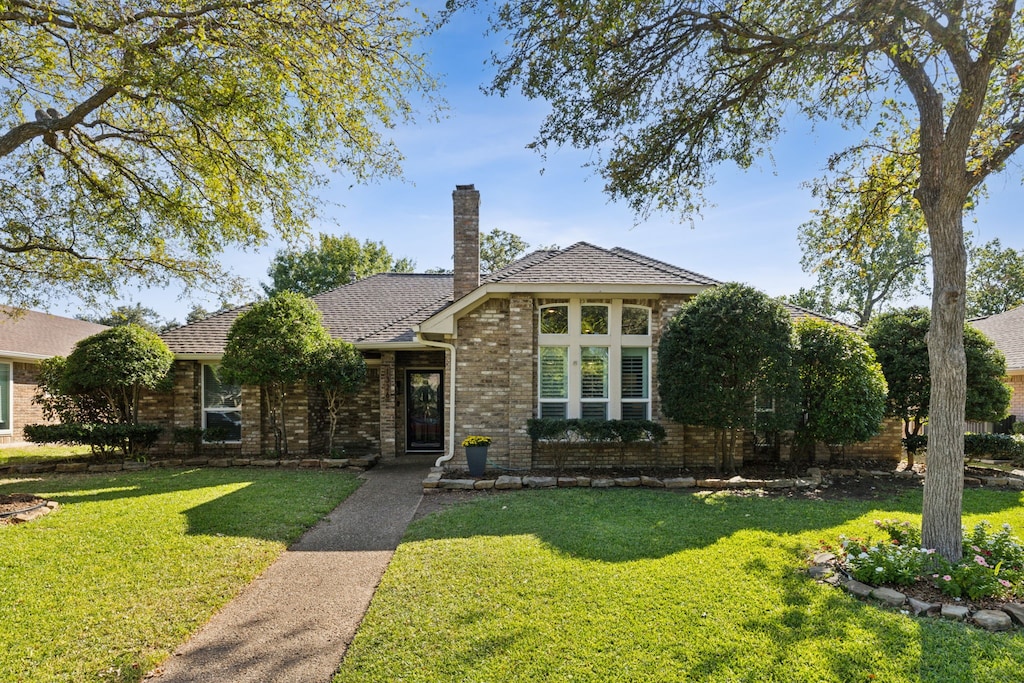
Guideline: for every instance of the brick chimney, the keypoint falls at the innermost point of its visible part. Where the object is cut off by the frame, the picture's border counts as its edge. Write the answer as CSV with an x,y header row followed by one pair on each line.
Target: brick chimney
x,y
466,205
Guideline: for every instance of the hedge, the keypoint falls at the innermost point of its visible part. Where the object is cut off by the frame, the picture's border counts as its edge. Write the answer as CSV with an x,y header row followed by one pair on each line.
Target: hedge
x,y
620,431
131,439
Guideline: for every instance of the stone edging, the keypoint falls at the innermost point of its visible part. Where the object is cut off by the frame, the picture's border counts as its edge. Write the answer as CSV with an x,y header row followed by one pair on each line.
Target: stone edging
x,y
1011,615
436,481
354,464
35,512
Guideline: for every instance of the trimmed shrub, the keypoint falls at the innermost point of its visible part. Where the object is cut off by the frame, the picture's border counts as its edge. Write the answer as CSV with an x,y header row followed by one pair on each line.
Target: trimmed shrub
x,y
131,440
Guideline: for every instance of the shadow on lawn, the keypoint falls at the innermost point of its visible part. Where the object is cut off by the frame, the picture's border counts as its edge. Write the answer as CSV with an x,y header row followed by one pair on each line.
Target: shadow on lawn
x,y
262,504
631,524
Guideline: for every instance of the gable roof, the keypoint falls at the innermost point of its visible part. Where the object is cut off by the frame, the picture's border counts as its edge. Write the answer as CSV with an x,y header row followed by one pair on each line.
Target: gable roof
x,y
35,335
585,263
380,309
1006,330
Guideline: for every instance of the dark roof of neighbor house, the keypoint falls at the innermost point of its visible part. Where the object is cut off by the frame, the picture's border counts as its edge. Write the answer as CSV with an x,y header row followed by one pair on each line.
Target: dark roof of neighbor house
x,y
1006,330
40,334
384,308
799,312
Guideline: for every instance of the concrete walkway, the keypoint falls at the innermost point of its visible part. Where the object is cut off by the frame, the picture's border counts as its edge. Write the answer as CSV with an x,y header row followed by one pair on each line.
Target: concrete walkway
x,y
294,623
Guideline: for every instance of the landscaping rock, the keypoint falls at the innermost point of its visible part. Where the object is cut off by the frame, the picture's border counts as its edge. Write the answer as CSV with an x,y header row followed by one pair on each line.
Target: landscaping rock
x,y
583,482
819,571
1016,612
995,481
264,463
680,483
507,481
889,596
567,482
241,462
457,484
309,462
334,463
109,467
1017,484
993,620
861,590
627,481
539,482
954,612
844,473
823,558
920,607
431,481
134,465
779,484
291,464
484,484
196,462
37,468
366,462
906,474
713,483
652,482
602,483
169,462
972,481
804,483
70,467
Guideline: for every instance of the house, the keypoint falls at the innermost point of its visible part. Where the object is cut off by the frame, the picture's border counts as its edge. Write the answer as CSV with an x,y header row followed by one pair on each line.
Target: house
x,y
560,333
27,337
1006,330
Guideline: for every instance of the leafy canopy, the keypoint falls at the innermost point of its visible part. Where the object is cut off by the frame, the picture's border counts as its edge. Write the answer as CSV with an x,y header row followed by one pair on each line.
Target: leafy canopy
x,y
842,387
329,263
337,370
995,280
138,141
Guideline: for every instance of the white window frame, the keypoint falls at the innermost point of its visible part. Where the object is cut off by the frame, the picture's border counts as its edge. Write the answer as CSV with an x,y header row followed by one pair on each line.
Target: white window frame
x,y
614,341
10,398
202,399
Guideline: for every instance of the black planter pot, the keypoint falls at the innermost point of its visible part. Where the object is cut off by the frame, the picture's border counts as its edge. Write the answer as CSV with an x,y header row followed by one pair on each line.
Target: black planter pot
x,y
476,459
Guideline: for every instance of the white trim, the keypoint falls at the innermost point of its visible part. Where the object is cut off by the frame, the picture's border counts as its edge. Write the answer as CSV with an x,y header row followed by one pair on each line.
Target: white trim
x,y
20,356
10,399
451,401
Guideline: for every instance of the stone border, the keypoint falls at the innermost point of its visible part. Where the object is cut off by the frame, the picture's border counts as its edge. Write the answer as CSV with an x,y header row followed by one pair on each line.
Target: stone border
x,y
823,569
815,477
35,512
354,464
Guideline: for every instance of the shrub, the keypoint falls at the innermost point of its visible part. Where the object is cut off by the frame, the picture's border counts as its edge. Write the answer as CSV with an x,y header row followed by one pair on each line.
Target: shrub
x,y
595,431
997,446
131,440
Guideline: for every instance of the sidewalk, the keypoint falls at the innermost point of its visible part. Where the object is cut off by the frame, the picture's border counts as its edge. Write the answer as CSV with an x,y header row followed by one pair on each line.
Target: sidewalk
x,y
294,623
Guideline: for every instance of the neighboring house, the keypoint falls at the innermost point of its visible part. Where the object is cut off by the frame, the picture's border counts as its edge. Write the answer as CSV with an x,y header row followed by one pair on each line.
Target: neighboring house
x,y
1006,330
559,333
27,337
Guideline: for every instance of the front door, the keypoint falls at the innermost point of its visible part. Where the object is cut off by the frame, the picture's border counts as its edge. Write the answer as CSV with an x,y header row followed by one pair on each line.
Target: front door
x,y
424,410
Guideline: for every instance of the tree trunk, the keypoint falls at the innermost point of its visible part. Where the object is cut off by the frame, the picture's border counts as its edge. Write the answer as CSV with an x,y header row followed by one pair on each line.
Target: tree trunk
x,y
944,483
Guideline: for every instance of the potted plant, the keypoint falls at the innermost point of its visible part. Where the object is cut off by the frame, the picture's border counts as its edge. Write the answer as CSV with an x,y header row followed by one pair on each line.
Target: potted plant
x,y
476,454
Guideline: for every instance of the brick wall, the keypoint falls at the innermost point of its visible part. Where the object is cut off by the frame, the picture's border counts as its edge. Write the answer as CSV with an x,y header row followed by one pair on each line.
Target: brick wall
x,y
466,211
1016,383
25,377
358,430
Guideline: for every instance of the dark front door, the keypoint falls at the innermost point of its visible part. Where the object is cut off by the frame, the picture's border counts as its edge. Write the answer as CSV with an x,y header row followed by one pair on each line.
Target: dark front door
x,y
424,410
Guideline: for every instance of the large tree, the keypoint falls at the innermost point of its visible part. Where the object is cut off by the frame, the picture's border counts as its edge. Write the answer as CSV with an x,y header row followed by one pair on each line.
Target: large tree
x,y
663,91
271,346
132,314
338,371
139,140
995,280
330,262
725,351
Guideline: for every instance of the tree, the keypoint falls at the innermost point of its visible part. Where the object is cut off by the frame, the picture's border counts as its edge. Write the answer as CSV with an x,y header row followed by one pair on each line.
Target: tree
x,y
330,263
661,92
499,249
135,314
995,281
842,388
726,347
270,346
898,338
118,364
337,370
867,244
166,132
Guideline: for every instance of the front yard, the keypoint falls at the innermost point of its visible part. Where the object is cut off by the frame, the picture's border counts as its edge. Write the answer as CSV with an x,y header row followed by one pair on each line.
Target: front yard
x,y
131,564
631,585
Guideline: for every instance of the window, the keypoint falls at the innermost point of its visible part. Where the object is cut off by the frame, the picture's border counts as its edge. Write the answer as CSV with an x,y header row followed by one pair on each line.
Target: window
x,y
222,405
635,383
5,397
594,360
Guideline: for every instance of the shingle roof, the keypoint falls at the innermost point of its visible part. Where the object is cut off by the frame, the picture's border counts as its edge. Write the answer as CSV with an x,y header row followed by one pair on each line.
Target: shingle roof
x,y
379,309
797,313
41,334
584,263
1006,330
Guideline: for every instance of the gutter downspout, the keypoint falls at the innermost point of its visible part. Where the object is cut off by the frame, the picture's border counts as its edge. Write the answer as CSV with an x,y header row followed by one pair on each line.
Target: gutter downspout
x,y
451,398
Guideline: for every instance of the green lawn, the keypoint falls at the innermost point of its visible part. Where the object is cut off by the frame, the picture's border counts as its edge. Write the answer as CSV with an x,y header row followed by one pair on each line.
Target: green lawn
x,y
39,453
640,585
131,564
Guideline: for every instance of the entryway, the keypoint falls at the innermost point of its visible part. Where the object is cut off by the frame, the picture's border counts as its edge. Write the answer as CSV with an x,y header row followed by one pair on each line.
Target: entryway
x,y
424,410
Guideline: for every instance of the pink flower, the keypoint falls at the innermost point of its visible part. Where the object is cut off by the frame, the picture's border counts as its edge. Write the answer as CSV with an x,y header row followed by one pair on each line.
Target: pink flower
x,y
1005,582
975,548
947,577
980,560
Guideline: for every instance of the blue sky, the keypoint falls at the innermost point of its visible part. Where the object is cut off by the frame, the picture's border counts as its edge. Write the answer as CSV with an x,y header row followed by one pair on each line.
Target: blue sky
x,y
748,233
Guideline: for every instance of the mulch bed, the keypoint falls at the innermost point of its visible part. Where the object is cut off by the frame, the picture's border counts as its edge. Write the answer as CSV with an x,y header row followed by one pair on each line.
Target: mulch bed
x,y
11,504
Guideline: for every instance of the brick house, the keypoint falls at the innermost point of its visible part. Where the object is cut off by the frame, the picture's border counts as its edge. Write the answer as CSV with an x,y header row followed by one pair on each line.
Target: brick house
x,y
1006,330
26,338
570,333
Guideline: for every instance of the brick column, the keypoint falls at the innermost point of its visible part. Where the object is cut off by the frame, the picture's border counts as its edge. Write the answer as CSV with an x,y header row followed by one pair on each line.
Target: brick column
x,y
521,397
388,442
466,209
186,402
252,422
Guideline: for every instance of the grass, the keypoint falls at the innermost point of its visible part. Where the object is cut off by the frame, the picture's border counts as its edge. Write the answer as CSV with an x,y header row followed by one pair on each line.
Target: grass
x,y
14,455
131,564
635,585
